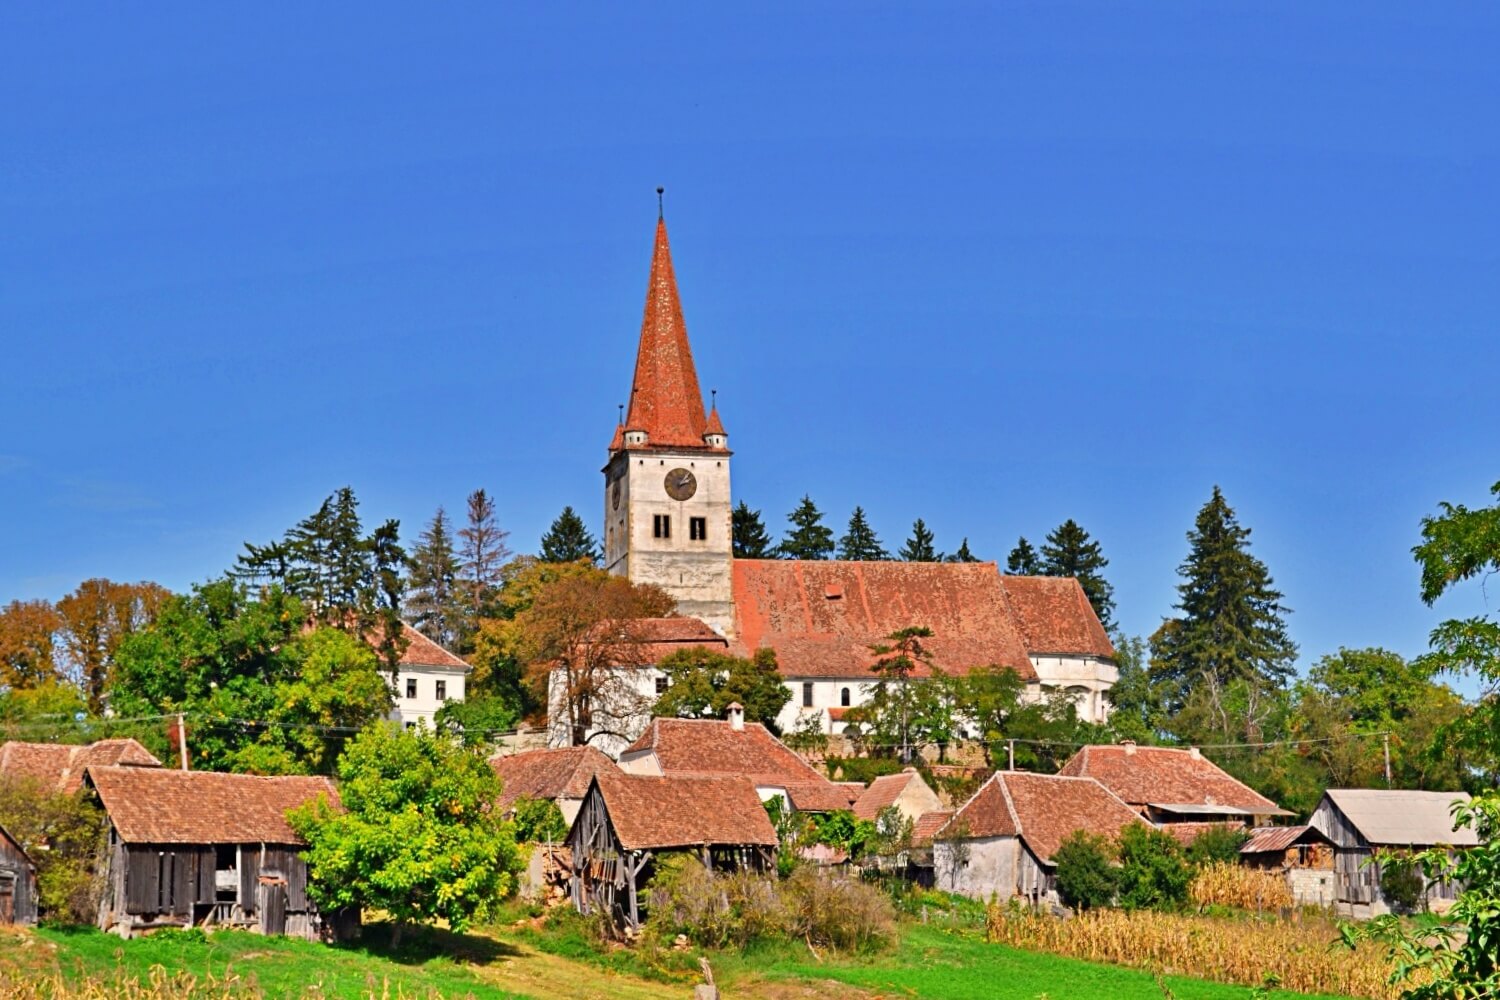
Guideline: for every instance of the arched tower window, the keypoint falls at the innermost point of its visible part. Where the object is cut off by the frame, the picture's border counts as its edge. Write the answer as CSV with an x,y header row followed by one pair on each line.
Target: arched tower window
x,y
844,697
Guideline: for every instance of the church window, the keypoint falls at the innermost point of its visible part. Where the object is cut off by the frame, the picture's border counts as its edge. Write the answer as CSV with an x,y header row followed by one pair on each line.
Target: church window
x,y
411,687
661,525
844,697
442,690
697,528
807,694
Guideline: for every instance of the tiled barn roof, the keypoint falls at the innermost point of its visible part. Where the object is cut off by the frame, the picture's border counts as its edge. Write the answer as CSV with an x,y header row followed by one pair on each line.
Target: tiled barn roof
x,y
928,824
1041,809
1055,616
665,400
822,617
548,774
650,812
150,805
883,792
694,747
59,767
1166,776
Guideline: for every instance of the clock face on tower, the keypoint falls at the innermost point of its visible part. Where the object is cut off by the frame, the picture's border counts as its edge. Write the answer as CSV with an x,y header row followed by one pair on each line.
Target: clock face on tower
x,y
681,484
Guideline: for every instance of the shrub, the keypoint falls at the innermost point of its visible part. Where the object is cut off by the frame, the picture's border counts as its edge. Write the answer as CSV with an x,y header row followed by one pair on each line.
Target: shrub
x,y
1401,883
538,821
841,829
1218,844
1086,872
1154,874
835,910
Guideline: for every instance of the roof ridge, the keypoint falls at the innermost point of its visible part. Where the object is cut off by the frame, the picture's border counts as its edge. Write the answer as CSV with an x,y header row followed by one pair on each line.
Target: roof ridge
x,y
1010,805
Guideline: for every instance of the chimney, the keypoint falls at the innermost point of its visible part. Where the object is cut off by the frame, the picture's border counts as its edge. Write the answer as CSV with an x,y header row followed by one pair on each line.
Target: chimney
x,y
1129,746
736,716
1194,753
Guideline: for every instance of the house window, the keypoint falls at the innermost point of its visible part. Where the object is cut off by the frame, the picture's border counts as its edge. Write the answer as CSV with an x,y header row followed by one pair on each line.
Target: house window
x,y
844,697
661,685
807,694
411,687
442,690
661,525
698,528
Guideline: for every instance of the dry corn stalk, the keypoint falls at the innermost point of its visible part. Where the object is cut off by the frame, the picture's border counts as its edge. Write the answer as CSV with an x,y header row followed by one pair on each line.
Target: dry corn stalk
x,y
1226,884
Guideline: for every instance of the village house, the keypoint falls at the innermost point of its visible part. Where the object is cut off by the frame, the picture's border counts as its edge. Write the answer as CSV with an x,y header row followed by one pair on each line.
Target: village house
x,y
1300,854
560,776
59,767
628,822
428,677
667,522
18,896
199,847
733,747
1362,823
907,791
1179,790
1001,842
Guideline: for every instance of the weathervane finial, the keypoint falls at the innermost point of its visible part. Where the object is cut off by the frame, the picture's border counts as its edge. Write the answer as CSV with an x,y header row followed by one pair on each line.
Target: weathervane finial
x,y
622,412
659,212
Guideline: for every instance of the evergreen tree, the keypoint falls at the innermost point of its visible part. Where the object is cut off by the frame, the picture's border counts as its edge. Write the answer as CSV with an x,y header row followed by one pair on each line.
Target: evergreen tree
x,y
481,557
1023,560
1229,647
1068,551
859,542
751,540
810,538
918,547
432,598
963,554
568,540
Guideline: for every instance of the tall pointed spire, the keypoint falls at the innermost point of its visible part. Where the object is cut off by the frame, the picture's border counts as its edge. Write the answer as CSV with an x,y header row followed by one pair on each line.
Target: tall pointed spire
x,y
665,401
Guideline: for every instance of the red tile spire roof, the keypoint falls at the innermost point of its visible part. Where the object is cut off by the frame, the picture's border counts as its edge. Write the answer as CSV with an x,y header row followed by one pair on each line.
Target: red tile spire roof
x,y
665,401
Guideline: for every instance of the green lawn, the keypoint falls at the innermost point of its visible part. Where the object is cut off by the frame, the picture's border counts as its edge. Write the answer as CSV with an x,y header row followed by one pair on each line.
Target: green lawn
x,y
282,967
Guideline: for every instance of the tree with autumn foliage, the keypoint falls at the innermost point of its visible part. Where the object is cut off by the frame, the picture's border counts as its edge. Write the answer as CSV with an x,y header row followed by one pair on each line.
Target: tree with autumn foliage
x,y
27,651
97,618
581,631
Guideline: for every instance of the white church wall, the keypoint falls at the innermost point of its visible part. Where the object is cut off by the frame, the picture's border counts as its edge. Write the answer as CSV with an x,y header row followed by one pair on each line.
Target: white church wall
x,y
1087,678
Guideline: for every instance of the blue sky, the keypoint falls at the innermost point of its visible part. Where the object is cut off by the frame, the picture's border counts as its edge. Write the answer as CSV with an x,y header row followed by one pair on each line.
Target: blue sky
x,y
991,265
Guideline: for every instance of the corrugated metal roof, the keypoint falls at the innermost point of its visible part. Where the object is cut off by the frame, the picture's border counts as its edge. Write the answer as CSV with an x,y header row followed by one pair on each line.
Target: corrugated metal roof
x,y
1403,818
1264,839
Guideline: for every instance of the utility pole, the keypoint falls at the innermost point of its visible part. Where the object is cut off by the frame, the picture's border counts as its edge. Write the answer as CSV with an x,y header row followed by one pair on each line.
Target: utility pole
x,y
182,740
1010,751
1385,738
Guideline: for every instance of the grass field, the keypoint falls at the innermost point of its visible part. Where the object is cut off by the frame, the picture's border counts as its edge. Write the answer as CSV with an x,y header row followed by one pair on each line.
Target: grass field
x,y
933,962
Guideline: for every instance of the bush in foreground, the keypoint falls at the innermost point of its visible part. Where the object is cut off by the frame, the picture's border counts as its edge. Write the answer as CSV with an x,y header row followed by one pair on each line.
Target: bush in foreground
x,y
1086,874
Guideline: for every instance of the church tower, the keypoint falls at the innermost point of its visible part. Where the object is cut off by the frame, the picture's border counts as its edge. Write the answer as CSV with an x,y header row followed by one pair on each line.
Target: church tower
x,y
666,486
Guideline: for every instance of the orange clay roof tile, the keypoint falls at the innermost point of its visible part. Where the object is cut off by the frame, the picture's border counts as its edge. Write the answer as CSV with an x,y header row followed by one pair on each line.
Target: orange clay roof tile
x,y
649,812
1041,809
1055,616
548,774
60,767
150,805
1165,776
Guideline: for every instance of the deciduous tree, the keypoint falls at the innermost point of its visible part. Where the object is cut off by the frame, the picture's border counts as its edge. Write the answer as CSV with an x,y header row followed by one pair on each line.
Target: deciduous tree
x,y
27,631
809,537
96,618
567,540
703,683
860,542
751,540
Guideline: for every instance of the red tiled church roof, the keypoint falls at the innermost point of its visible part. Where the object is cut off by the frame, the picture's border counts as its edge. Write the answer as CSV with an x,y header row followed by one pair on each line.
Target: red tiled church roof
x,y
1055,616
693,747
665,400
650,812
1165,776
823,617
1041,809
59,767
149,805
548,774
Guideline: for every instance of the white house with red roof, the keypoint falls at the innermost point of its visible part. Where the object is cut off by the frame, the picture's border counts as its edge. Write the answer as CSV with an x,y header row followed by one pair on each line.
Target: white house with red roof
x,y
428,677
668,522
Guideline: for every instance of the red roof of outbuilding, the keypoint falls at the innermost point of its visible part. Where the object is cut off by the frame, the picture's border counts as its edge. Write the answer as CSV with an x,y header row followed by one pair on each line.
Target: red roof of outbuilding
x,y
822,617
883,791
1041,809
1166,776
153,805
665,400
59,767
1055,616
649,812
548,774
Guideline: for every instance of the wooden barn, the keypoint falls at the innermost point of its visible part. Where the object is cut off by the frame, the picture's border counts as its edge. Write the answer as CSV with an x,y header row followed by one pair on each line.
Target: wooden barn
x,y
1302,855
1363,822
17,883
628,821
197,847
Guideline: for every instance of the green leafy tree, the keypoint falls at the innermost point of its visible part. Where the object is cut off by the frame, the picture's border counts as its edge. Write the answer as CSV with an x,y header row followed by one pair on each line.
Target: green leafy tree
x,y
860,542
1229,645
898,659
994,700
1023,560
433,603
479,717
1154,873
419,835
567,540
1136,710
64,836
1217,845
703,683
919,547
809,537
537,821
1069,551
1087,877
751,540
43,714
963,555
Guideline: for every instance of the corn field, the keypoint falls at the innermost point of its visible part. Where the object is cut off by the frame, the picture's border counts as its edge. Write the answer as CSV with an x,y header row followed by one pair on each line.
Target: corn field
x,y
159,984
1301,955
1227,884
